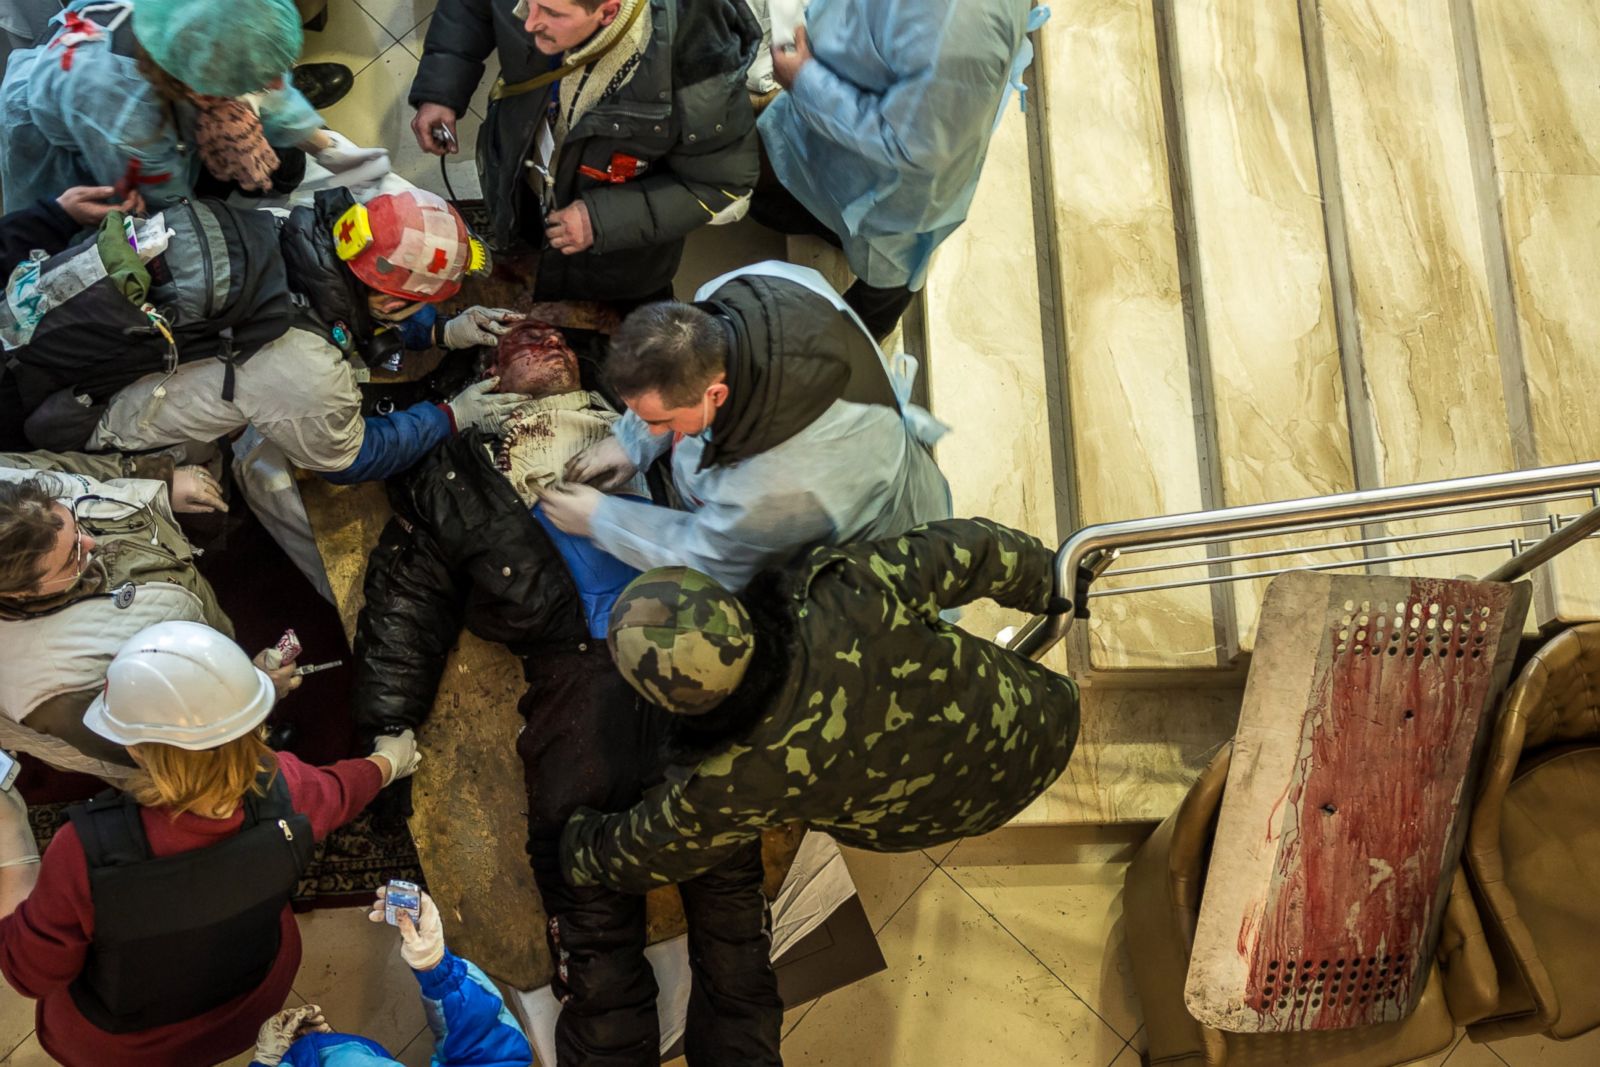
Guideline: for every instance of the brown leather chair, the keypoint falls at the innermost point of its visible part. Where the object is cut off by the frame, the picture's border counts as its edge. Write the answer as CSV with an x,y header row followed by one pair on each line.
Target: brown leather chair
x,y
1533,846
1161,904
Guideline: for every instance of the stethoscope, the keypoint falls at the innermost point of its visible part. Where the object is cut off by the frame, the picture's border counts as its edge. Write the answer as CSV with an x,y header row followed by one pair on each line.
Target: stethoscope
x,y
147,517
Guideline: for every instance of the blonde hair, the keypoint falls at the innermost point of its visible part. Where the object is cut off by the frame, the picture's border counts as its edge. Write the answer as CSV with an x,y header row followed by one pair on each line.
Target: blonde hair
x,y
210,782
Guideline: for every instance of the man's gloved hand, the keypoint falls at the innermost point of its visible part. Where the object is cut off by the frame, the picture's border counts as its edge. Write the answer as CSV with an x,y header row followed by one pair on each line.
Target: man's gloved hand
x,y
479,325
342,156
422,944
194,491
571,507
604,465
479,405
397,756
284,1029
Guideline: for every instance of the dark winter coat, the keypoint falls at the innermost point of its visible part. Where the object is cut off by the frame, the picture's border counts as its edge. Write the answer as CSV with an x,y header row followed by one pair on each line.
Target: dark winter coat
x,y
863,714
462,549
792,354
685,112
44,225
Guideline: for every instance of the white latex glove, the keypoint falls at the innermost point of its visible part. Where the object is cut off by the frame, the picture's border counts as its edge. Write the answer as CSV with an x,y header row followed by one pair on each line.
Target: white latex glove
x,y
400,753
194,491
604,465
786,16
571,507
354,164
421,945
479,405
479,325
284,1029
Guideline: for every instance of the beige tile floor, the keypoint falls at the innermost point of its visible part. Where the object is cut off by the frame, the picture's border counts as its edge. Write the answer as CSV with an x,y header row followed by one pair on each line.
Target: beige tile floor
x,y
1004,949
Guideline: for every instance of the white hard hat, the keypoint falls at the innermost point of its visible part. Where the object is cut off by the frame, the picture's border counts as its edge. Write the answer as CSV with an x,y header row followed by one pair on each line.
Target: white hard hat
x,y
181,684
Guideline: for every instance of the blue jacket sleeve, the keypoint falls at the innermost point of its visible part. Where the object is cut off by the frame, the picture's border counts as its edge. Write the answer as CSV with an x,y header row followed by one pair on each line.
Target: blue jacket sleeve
x,y
731,540
394,442
472,1027
416,332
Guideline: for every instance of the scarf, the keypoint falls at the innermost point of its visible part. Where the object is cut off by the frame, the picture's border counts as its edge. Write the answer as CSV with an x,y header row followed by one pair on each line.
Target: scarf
x,y
231,142
93,580
602,69
543,434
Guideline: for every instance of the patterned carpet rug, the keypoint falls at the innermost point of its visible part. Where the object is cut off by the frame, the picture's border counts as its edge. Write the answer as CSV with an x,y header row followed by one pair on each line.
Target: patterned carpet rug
x,y
346,869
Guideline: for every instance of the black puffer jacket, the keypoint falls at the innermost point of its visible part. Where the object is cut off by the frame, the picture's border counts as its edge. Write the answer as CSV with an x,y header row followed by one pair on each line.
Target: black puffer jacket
x,y
685,113
45,226
462,549
336,297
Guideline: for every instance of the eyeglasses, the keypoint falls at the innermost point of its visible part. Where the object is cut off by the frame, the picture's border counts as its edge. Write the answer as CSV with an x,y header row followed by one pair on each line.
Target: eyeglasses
x,y
77,563
98,515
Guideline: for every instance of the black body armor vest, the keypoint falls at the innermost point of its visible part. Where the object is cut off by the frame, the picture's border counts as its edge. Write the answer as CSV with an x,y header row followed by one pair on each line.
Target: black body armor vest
x,y
176,936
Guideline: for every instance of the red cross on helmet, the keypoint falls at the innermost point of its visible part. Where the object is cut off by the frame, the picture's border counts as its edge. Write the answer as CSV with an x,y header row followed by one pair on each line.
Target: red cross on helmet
x,y
410,244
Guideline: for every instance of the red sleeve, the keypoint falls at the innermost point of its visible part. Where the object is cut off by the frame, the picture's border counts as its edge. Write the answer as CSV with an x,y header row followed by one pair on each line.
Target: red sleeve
x,y
333,795
44,942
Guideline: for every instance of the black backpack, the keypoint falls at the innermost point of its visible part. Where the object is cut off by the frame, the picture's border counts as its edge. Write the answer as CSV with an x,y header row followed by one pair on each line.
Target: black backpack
x,y
219,291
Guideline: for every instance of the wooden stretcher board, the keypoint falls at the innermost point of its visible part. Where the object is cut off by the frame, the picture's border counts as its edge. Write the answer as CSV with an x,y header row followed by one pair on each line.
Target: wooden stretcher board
x,y
1366,711
470,820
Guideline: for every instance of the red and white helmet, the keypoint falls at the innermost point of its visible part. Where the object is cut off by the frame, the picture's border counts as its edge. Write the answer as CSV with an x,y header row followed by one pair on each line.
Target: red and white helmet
x,y
410,244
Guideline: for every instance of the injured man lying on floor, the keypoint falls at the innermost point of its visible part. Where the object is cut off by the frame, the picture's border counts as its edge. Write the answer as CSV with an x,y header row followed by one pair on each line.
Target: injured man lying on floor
x,y
468,546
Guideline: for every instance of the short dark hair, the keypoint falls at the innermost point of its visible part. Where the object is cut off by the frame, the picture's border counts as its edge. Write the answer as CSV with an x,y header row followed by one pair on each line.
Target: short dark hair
x,y
669,348
28,529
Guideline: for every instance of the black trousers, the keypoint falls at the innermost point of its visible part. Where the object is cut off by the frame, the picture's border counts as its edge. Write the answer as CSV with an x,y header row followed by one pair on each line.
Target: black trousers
x,y
880,308
591,742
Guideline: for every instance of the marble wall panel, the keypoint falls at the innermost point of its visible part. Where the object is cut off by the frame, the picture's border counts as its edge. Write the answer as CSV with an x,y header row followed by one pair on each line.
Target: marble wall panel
x,y
1542,103
1433,405
1260,264
1552,224
986,360
1539,63
1133,409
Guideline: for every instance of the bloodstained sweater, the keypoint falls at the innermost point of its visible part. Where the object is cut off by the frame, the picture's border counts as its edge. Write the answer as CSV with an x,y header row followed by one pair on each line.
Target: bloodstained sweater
x,y
43,944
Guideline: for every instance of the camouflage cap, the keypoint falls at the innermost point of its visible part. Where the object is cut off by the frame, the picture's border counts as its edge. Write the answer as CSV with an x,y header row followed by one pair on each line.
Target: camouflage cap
x,y
680,639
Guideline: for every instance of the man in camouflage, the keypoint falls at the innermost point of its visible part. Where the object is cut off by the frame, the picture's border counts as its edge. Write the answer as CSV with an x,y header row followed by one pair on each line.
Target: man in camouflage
x,y
833,693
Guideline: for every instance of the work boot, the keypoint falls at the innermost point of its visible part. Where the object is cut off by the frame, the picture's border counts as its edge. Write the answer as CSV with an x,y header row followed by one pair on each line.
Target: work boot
x,y
324,84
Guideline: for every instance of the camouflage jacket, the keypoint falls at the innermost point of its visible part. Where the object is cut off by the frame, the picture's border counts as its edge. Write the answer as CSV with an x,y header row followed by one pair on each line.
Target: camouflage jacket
x,y
882,724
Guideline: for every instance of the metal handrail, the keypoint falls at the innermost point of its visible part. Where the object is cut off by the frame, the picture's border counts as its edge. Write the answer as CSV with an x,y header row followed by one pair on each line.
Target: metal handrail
x,y
1088,554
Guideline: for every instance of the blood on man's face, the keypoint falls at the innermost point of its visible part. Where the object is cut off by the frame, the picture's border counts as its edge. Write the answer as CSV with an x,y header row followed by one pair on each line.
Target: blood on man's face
x,y
533,359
